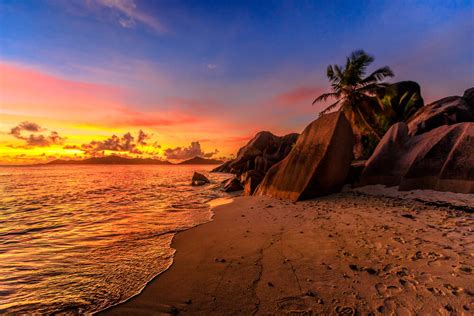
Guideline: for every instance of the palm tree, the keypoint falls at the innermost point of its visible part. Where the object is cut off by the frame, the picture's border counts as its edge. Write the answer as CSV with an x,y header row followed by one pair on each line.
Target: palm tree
x,y
350,88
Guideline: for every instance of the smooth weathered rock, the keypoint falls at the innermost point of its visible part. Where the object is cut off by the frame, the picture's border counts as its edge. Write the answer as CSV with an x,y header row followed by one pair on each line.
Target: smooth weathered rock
x,y
199,179
447,111
261,152
317,165
445,163
441,159
386,166
233,185
469,97
222,168
250,180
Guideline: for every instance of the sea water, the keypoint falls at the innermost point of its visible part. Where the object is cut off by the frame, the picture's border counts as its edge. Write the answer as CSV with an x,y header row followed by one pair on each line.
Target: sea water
x,y
78,239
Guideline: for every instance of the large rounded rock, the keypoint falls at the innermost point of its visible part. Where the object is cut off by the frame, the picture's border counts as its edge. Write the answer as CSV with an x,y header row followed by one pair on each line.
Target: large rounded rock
x,y
469,97
233,185
440,159
445,162
317,165
261,152
447,111
385,166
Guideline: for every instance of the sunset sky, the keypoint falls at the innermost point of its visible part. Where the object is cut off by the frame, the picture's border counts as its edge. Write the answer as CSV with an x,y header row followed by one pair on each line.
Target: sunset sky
x,y
176,79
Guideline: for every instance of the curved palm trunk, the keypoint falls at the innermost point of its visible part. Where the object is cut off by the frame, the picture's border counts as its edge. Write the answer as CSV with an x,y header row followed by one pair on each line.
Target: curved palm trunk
x,y
366,123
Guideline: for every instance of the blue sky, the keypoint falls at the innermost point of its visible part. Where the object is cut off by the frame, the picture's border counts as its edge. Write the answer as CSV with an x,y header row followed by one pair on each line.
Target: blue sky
x,y
254,64
226,42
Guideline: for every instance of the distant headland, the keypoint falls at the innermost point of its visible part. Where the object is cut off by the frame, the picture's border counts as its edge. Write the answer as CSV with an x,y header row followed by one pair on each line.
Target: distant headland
x,y
118,160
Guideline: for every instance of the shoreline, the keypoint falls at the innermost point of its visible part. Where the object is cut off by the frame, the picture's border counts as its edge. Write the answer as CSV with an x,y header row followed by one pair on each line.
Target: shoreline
x,y
330,255
212,205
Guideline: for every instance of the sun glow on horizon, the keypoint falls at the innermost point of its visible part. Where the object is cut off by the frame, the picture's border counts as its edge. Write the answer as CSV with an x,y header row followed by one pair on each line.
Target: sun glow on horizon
x,y
36,127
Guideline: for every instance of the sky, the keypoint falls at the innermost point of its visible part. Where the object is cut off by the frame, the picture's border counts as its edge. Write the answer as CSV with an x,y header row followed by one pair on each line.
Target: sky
x,y
174,79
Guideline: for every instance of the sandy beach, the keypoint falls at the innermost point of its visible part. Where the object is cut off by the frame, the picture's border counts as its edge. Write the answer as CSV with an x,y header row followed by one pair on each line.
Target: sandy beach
x,y
343,254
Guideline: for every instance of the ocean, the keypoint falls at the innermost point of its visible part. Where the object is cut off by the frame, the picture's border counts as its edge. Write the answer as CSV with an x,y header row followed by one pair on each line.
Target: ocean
x,y
78,239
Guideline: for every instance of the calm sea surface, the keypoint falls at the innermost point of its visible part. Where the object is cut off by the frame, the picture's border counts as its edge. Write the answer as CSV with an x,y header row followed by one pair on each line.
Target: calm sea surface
x,y
81,238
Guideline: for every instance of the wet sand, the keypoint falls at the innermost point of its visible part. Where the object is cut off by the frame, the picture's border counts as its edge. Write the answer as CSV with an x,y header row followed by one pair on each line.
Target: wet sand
x,y
344,254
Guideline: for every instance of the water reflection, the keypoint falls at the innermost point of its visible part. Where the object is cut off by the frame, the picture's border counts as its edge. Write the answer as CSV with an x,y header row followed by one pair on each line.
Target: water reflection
x,y
81,238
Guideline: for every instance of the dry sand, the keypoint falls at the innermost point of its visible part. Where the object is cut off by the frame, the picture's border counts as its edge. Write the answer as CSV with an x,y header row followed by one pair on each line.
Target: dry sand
x,y
344,254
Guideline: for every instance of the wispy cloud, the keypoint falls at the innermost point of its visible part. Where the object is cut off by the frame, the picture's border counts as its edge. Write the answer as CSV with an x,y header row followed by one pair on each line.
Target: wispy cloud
x,y
298,95
25,90
128,14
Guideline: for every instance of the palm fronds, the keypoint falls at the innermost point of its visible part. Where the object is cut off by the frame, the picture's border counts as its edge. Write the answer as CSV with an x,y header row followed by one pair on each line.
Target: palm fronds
x,y
350,85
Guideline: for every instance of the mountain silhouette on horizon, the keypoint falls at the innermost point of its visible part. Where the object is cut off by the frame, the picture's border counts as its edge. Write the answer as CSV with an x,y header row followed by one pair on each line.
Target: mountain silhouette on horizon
x,y
117,160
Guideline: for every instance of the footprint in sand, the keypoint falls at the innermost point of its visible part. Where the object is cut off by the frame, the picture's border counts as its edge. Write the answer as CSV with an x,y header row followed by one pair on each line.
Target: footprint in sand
x,y
387,290
345,310
436,291
424,277
296,305
455,290
381,289
392,306
464,269
399,239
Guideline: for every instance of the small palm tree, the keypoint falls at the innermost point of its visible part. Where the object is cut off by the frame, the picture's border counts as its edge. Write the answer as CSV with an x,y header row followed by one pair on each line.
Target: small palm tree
x,y
350,88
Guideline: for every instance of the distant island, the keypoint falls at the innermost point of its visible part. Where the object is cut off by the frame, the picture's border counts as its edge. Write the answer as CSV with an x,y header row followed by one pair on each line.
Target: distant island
x,y
201,161
117,160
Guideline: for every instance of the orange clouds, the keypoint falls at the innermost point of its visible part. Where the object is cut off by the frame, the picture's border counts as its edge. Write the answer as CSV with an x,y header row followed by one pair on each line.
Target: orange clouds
x,y
26,91
87,114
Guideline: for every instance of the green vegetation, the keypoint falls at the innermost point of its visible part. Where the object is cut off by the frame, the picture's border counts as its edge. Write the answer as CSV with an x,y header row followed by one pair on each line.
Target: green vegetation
x,y
354,92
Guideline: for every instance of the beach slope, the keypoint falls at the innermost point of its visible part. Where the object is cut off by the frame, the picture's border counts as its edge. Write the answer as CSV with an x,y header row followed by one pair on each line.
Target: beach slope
x,y
346,253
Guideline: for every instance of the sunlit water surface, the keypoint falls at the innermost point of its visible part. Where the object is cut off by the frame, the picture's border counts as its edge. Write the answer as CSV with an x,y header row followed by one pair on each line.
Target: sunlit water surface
x,y
81,238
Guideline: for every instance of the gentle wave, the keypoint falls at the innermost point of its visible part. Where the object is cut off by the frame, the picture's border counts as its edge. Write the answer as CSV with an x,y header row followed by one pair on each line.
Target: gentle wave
x,y
78,239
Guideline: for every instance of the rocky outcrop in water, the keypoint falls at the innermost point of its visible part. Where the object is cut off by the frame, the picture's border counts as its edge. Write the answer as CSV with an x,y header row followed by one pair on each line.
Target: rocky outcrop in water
x,y
317,165
199,179
447,111
440,159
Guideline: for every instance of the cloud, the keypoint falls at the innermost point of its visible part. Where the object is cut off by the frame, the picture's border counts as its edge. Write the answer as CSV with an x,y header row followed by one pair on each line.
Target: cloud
x,y
128,14
126,144
36,140
24,89
298,95
127,23
25,126
142,137
212,66
188,152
